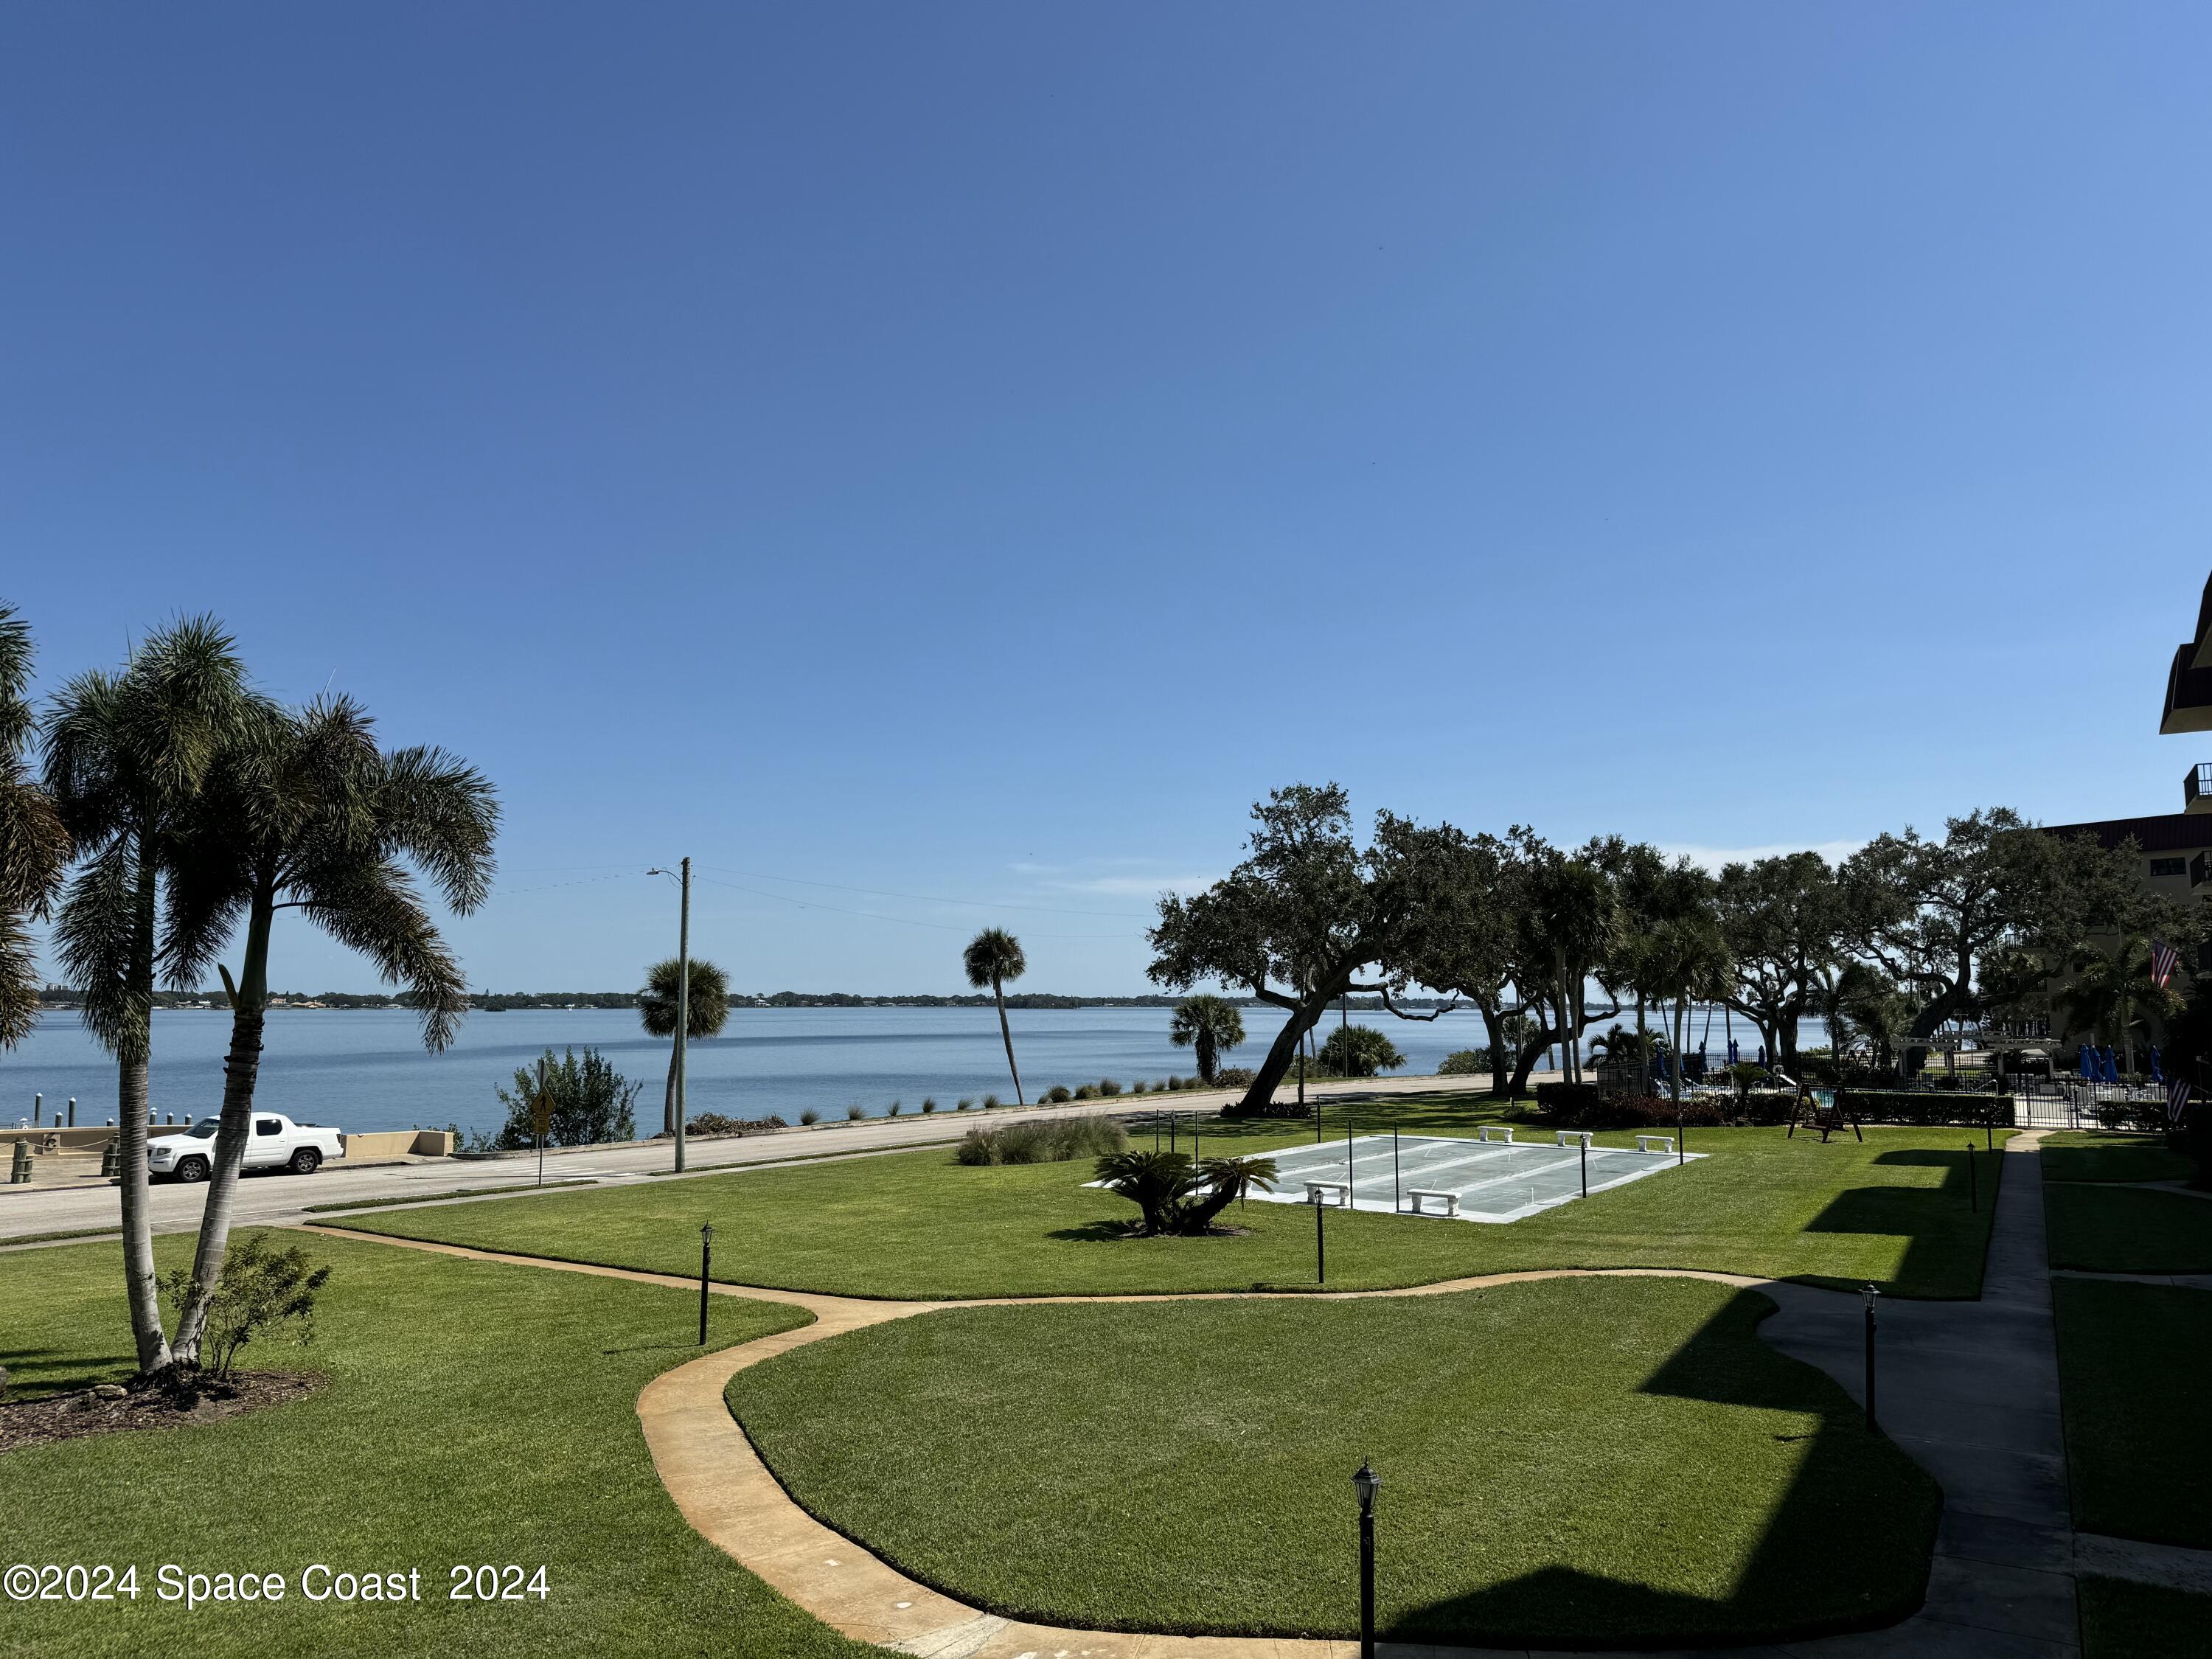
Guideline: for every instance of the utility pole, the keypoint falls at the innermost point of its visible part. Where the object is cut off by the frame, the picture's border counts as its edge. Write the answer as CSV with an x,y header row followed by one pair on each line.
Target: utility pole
x,y
683,995
683,1005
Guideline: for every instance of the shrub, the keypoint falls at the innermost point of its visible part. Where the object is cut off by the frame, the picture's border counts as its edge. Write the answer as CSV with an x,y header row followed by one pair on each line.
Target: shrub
x,y
928,1104
1927,1109
964,1104
1359,1051
1464,1062
896,1109
721,1123
1229,1077
591,1102
1172,1084
1176,1197
1138,1086
265,1291
855,1112
1087,1091
1056,1096
990,1103
1043,1143
775,1122
1580,1106
1108,1088
810,1117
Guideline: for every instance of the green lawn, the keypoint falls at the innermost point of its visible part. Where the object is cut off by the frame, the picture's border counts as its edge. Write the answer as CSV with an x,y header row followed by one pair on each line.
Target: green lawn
x,y
2082,1156
2128,1230
2132,1361
1563,1461
2121,1620
474,1413
1892,1210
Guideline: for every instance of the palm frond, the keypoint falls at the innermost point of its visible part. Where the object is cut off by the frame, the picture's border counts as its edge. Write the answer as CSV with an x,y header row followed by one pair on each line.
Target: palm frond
x,y
444,814
374,908
15,658
93,934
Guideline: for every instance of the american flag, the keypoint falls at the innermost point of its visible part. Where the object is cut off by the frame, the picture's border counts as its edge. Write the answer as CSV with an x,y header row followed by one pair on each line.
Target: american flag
x,y
2177,1099
2164,959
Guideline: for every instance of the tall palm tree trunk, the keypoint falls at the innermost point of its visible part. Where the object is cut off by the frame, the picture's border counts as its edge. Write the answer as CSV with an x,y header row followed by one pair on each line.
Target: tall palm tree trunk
x,y
668,1099
1006,1031
131,1105
241,1073
1681,1036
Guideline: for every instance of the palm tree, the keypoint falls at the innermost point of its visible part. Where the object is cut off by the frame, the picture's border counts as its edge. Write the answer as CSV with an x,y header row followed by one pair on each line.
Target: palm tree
x,y
126,756
994,957
1688,959
2109,992
706,1011
303,811
1359,1051
34,847
1207,1026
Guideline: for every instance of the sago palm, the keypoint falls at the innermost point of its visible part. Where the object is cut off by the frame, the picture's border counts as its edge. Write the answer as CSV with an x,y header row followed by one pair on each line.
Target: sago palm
x,y
708,1002
303,811
994,957
1208,1026
34,847
125,756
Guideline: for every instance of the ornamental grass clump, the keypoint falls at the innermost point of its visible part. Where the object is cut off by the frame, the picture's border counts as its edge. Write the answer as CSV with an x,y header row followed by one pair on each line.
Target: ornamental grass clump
x,y
855,1112
1043,1143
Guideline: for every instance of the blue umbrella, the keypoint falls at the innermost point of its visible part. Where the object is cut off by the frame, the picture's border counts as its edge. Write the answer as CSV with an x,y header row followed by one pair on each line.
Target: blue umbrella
x,y
2110,1067
1736,1054
2086,1060
2156,1075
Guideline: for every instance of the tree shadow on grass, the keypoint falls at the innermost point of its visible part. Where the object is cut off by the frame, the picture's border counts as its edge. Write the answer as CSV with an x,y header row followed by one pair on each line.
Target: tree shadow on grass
x,y
32,1372
1847,1548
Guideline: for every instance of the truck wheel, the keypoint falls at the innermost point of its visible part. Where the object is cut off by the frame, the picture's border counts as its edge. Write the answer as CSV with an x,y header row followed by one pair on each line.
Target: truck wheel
x,y
192,1169
307,1161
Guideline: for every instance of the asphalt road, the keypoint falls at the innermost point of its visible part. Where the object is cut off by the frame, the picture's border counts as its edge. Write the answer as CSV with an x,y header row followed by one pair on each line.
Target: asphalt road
x,y
279,1196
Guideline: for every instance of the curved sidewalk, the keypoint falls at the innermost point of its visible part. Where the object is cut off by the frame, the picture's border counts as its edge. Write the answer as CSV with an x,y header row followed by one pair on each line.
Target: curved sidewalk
x,y
1969,1390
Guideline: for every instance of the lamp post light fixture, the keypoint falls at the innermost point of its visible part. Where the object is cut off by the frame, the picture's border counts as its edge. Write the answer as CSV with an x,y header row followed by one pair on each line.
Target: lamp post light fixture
x,y
1869,1294
705,1258
1367,1484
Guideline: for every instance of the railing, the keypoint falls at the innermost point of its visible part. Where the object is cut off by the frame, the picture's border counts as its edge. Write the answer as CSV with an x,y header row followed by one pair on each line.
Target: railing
x,y
2200,870
2196,786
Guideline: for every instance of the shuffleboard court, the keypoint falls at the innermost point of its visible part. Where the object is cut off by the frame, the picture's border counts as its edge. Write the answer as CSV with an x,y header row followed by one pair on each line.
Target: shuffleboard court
x,y
1499,1179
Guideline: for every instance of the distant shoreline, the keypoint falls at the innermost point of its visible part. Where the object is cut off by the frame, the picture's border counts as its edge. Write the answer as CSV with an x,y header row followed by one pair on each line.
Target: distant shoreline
x,y
54,1001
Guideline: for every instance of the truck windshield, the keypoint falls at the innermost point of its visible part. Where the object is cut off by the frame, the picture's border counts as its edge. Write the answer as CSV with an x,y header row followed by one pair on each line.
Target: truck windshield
x,y
202,1130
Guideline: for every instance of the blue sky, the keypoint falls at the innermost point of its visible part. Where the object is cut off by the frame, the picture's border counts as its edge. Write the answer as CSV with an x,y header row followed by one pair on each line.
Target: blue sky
x,y
972,451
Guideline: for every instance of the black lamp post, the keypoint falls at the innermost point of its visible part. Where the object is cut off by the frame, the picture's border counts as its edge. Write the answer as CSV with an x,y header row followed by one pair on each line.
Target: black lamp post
x,y
706,1256
1366,1483
1870,1293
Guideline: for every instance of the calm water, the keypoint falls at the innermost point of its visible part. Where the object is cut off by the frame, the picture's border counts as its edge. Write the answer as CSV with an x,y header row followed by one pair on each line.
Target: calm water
x,y
366,1070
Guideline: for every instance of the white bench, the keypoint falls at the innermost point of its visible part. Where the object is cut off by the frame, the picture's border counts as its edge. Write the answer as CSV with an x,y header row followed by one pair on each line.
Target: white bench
x,y
1644,1143
1416,1195
1495,1132
1582,1135
1342,1189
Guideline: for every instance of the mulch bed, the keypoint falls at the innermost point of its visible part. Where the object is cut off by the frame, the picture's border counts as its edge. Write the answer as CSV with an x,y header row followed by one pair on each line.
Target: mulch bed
x,y
108,1407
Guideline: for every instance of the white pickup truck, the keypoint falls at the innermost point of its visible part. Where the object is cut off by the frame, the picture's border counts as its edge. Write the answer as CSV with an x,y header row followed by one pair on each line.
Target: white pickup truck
x,y
274,1143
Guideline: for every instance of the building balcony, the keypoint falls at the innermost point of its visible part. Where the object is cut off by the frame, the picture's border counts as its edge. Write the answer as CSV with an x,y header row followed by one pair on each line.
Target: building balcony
x,y
2200,870
2188,695
2196,788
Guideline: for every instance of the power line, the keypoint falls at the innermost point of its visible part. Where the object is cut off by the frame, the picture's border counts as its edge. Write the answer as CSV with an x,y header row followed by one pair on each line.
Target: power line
x,y
874,916
924,898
